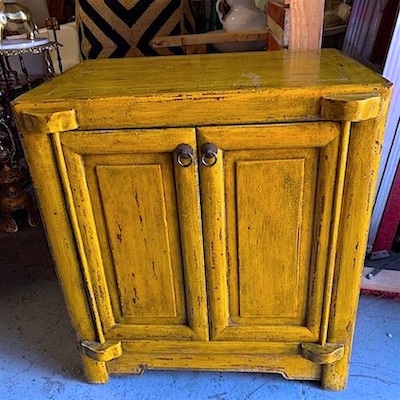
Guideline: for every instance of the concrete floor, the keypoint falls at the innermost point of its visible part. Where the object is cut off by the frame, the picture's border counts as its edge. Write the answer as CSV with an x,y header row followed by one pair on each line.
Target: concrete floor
x,y
38,357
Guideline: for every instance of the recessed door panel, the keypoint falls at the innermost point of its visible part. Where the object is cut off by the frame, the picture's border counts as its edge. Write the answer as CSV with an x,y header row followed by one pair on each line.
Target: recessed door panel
x,y
138,230
269,192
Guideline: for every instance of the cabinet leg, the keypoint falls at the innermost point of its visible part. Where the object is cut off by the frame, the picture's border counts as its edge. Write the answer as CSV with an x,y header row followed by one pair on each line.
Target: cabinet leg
x,y
334,376
95,371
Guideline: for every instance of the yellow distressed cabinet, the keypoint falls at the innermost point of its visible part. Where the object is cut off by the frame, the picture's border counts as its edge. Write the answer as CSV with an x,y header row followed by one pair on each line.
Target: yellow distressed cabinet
x,y
209,211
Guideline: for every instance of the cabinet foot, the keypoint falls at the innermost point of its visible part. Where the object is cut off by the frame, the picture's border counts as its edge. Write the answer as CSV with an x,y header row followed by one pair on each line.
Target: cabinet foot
x,y
95,371
334,376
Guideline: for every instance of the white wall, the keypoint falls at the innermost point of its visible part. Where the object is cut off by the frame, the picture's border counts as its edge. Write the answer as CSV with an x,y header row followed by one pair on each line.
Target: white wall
x,y
391,145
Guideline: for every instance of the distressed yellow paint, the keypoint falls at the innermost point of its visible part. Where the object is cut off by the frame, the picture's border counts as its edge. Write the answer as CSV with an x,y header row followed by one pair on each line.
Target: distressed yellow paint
x,y
327,354
145,276
105,351
216,355
140,268
251,264
277,180
352,108
126,93
59,121
273,289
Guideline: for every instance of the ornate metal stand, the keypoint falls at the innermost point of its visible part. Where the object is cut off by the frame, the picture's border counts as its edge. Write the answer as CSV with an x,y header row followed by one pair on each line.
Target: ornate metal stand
x,y
15,184
18,48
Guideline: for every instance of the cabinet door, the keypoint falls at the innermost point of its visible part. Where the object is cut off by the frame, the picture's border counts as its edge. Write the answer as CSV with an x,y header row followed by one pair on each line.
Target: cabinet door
x,y
136,216
267,200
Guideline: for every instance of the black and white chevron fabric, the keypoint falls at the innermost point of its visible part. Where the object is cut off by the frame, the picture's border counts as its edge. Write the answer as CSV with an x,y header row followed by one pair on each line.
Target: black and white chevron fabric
x,y
124,28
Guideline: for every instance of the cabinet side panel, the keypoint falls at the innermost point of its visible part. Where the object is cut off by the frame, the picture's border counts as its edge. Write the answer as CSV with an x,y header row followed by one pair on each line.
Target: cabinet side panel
x,y
139,239
43,169
363,164
40,153
269,213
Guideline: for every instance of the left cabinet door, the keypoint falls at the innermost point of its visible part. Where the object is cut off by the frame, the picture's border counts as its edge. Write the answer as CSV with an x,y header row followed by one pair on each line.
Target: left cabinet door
x,y
136,218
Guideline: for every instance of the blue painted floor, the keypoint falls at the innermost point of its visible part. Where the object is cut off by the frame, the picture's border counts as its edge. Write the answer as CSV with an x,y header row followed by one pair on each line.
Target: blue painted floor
x,y
38,357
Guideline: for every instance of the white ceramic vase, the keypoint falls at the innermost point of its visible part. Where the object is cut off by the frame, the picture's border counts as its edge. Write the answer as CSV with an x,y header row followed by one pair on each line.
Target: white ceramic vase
x,y
243,15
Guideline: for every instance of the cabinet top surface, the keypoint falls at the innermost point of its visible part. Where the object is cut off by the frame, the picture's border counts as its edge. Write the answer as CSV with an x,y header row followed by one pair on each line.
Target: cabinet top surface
x,y
183,75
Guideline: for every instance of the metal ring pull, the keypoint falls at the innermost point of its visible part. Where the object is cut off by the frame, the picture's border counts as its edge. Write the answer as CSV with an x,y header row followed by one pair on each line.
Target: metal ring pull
x,y
184,156
209,154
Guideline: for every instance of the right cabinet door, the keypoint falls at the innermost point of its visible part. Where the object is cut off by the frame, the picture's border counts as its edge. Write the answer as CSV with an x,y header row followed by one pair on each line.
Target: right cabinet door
x,y
267,199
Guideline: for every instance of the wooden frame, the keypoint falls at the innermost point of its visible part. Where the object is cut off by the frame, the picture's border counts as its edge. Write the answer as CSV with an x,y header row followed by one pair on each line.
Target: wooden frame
x,y
287,20
197,43
310,14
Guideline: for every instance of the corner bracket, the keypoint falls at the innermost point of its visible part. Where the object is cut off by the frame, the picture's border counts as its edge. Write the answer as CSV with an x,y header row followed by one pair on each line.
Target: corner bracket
x,y
106,351
351,108
41,122
327,354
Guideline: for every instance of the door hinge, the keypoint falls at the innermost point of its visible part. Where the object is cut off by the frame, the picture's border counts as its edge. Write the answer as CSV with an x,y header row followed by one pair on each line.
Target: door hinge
x,y
326,354
42,122
352,108
106,351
